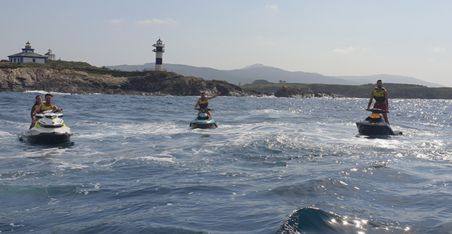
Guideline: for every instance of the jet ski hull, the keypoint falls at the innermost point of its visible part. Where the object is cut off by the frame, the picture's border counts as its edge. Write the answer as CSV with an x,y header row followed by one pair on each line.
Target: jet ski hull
x,y
47,138
203,124
42,135
374,129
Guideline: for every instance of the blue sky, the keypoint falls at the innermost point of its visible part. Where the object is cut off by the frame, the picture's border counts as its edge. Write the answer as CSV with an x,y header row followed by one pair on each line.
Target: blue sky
x,y
360,37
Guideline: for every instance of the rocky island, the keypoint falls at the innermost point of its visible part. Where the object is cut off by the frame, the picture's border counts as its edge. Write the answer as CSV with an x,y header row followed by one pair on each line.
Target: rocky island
x,y
81,77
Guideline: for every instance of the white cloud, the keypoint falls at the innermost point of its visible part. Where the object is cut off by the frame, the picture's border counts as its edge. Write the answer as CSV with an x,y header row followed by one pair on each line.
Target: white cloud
x,y
272,7
154,21
349,50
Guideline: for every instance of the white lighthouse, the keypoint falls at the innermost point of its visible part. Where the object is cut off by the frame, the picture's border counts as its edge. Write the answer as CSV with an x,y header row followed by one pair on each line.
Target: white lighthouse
x,y
159,50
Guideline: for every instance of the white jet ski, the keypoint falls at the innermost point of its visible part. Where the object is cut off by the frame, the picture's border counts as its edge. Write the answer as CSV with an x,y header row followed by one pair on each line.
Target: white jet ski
x,y
48,129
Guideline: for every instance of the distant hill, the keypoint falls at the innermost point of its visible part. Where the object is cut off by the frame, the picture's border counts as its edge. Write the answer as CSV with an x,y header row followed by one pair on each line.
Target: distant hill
x,y
248,74
358,91
388,79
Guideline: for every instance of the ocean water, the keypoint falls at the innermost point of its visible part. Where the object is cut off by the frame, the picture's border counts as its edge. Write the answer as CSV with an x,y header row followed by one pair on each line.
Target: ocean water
x,y
274,165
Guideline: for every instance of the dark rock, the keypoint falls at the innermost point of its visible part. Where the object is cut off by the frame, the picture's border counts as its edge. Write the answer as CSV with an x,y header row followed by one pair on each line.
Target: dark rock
x,y
285,91
79,81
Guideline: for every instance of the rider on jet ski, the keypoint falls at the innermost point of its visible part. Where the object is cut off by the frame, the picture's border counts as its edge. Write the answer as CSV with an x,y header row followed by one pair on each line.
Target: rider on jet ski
x,y
203,103
47,105
48,127
380,94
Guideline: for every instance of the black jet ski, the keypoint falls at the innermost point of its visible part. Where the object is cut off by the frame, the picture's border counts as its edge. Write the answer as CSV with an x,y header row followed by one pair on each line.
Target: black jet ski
x,y
203,120
48,129
375,125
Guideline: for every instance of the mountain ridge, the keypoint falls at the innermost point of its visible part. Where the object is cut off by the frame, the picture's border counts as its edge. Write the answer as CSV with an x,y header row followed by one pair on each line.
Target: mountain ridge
x,y
248,74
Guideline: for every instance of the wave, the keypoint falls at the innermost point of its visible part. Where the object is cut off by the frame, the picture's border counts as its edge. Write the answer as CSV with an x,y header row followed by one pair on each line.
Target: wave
x,y
44,192
144,191
127,228
312,188
11,227
314,220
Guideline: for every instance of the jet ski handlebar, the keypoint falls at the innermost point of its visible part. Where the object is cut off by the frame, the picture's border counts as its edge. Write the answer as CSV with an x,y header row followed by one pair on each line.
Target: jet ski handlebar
x,y
49,114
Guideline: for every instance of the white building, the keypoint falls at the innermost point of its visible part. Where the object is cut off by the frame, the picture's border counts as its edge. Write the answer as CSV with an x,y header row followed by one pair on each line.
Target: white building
x,y
27,55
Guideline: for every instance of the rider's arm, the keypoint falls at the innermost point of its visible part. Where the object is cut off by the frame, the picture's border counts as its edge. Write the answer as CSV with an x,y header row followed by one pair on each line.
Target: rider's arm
x,y
55,108
387,100
197,104
33,110
37,110
370,100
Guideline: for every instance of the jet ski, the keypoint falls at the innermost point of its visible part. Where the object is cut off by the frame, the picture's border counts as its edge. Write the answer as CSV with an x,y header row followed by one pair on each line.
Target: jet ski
x,y
48,129
375,125
203,120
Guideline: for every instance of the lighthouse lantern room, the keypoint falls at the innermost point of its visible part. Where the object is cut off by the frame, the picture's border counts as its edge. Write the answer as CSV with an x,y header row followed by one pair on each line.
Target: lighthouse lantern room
x,y
159,50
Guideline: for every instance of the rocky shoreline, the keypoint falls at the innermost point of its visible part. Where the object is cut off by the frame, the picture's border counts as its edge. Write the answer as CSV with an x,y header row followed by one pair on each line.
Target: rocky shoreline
x,y
76,81
350,91
82,78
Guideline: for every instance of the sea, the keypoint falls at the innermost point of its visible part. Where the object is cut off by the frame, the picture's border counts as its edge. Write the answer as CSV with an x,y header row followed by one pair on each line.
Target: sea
x,y
273,165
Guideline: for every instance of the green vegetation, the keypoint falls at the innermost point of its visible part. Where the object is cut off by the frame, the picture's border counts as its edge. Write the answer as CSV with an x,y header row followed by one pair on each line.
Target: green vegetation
x,y
361,91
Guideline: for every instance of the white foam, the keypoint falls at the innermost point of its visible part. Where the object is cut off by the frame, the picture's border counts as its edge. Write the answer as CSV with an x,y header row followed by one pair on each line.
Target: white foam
x,y
5,134
161,129
73,166
97,135
45,92
159,158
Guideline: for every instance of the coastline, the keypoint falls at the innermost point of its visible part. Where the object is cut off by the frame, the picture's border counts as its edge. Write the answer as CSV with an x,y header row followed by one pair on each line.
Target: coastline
x,y
82,78
72,78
